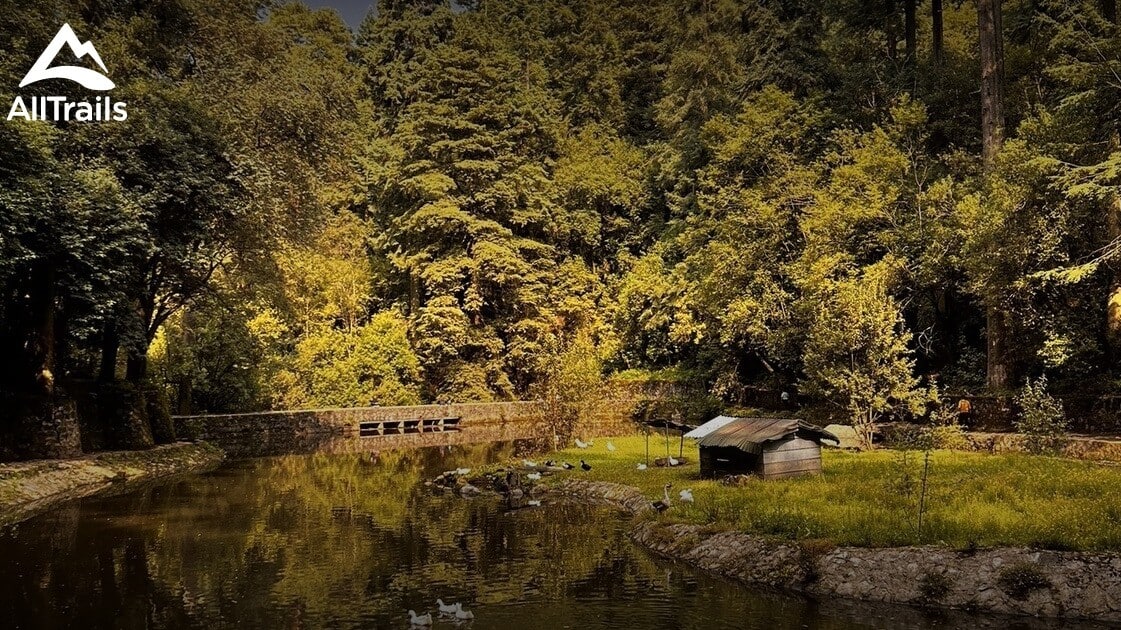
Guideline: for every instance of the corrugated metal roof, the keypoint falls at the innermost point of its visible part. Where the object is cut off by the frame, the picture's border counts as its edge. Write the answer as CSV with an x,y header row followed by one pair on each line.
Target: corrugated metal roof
x,y
750,434
709,427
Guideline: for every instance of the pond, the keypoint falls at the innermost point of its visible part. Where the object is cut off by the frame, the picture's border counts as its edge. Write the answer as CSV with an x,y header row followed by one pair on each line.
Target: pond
x,y
354,541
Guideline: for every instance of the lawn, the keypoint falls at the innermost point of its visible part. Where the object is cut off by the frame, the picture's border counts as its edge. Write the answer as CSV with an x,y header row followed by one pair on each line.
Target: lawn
x,y
871,499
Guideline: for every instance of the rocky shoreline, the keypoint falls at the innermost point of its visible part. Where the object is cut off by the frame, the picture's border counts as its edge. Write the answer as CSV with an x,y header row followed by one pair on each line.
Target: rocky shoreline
x,y
28,488
1006,581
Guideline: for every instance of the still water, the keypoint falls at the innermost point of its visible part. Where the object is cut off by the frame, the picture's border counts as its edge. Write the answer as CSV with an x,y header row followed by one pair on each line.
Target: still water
x,y
354,541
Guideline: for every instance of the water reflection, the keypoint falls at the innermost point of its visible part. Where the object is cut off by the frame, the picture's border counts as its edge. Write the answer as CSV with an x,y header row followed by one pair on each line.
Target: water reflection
x,y
353,541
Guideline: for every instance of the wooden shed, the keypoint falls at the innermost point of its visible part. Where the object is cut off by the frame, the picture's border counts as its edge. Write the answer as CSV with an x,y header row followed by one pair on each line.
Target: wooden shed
x,y
773,448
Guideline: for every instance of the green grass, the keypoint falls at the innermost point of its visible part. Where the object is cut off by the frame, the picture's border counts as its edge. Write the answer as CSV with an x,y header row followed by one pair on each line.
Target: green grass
x,y
973,500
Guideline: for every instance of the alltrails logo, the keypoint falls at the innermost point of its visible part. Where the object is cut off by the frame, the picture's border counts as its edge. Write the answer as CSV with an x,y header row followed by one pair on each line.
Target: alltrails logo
x,y
58,108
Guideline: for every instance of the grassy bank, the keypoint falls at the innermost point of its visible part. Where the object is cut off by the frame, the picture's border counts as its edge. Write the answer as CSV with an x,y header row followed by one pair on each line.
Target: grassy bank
x,y
871,499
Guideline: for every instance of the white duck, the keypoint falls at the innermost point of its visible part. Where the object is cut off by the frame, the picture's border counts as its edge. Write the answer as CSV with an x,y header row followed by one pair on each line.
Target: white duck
x,y
673,462
445,609
581,444
610,447
663,505
641,466
463,615
422,620
533,476
686,495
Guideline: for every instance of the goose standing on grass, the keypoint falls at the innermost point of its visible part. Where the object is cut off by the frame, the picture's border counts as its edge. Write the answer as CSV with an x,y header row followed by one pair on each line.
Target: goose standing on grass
x,y
422,620
686,495
673,462
567,466
463,615
445,609
610,446
663,505
641,466
584,466
581,444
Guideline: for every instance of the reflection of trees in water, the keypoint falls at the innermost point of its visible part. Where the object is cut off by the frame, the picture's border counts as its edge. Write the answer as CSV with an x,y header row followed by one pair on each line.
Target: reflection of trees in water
x,y
289,540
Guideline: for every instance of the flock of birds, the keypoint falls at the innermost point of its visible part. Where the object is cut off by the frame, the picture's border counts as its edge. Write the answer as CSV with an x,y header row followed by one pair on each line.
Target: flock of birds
x,y
451,611
684,496
455,611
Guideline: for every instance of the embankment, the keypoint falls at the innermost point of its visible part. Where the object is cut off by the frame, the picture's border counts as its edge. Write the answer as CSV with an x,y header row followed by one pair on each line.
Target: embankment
x,y
27,488
1010,581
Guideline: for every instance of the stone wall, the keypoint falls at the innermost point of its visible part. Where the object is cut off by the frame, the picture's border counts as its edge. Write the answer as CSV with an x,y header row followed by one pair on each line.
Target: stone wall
x,y
274,432
1007,581
27,488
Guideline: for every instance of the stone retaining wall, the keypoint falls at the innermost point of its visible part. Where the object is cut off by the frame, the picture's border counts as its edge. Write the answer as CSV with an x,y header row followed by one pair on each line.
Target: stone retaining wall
x,y
27,488
1011,581
274,432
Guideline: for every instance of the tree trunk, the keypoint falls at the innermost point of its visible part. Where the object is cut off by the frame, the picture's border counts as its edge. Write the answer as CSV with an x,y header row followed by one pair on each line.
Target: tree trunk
x,y
992,80
911,29
937,32
48,420
110,347
990,38
999,376
1113,233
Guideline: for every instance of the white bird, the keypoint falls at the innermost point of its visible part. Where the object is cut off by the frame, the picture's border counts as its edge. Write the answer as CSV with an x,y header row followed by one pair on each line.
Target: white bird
x,y
533,503
581,444
529,463
533,476
673,462
422,620
611,447
663,505
641,466
462,471
686,495
463,615
445,609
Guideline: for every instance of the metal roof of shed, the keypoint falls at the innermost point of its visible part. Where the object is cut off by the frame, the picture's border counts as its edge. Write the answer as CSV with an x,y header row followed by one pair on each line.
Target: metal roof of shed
x,y
709,427
750,434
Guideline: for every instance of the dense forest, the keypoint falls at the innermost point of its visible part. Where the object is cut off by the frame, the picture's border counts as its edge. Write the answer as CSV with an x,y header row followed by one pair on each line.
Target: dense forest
x,y
868,202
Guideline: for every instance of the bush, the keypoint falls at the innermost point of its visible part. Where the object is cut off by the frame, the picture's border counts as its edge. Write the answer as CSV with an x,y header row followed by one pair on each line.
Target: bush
x,y
1042,421
1019,580
934,586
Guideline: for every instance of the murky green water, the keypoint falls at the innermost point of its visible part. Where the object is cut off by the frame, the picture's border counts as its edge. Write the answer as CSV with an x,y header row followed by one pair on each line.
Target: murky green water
x,y
353,541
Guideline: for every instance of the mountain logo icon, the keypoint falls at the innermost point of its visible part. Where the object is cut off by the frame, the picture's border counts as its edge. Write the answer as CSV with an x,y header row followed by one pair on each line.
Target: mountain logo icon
x,y
90,79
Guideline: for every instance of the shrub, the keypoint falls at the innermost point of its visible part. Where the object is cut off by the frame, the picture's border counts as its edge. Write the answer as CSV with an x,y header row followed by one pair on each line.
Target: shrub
x,y
934,586
1019,580
1042,421
946,431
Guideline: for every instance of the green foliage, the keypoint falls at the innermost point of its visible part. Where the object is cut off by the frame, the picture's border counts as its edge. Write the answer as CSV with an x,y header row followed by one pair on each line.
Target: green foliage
x,y
856,355
372,364
1020,580
1042,420
573,387
935,586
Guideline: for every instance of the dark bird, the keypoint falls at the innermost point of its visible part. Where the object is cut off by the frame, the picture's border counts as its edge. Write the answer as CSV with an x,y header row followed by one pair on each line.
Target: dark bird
x,y
567,466
663,505
584,466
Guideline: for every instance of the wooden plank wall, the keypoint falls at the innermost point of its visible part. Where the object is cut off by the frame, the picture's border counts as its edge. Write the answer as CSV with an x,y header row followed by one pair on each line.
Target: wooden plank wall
x,y
791,458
